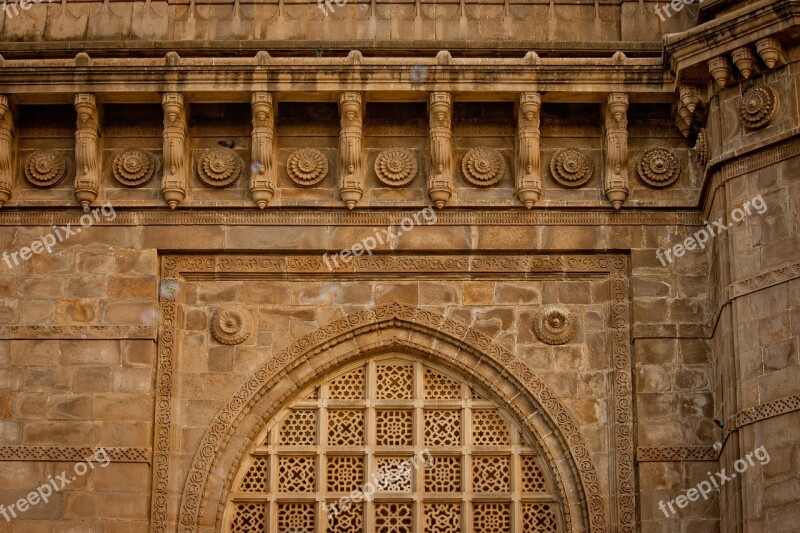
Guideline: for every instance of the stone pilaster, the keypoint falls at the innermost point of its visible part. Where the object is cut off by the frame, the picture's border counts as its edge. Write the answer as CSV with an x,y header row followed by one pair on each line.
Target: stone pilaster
x,y
528,173
173,185
350,141
87,178
616,186
440,183
6,151
262,168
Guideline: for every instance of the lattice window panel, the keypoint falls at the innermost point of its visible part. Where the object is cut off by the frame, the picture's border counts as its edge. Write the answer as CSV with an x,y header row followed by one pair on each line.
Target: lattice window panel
x,y
249,518
348,427
533,479
257,477
395,381
299,428
345,427
489,428
491,473
444,475
442,517
491,517
296,518
393,518
394,427
346,519
539,517
440,387
344,473
296,473
351,386
393,474
442,427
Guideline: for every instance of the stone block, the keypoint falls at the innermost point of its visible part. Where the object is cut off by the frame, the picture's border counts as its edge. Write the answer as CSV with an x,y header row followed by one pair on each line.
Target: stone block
x,y
521,292
138,352
87,286
77,311
122,407
94,262
58,433
69,407
132,287
90,352
692,378
655,351
133,262
48,264
122,505
34,352
122,477
141,313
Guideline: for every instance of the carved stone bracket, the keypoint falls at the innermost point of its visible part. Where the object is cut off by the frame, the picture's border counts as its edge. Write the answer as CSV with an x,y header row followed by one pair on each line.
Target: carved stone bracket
x,y
690,109
173,185
6,151
262,166
87,179
440,184
350,141
616,186
528,173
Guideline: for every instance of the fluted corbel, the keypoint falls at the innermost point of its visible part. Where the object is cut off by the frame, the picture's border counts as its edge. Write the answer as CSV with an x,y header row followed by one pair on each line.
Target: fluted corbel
x,y
771,51
6,151
528,173
440,182
262,167
745,61
352,129
173,184
87,179
616,169
720,70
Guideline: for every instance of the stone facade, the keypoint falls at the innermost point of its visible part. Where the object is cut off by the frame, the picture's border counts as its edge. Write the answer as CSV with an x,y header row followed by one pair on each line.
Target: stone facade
x,y
550,246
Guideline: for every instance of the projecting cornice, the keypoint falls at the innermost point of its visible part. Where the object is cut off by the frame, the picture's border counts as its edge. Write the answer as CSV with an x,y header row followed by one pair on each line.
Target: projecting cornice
x,y
589,79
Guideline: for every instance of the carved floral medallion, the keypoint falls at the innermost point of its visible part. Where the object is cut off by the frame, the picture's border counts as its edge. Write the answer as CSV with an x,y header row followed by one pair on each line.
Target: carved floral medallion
x,y
757,106
483,167
133,167
659,168
571,168
307,166
555,324
396,167
219,167
45,168
231,326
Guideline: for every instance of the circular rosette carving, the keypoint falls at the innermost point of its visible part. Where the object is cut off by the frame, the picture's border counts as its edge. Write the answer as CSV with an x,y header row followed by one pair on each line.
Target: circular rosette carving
x,y
45,168
133,167
307,166
231,326
483,166
555,325
219,167
758,106
659,168
571,168
396,167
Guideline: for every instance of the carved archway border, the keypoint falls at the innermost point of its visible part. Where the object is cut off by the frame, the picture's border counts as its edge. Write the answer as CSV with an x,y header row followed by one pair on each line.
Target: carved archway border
x,y
622,485
350,327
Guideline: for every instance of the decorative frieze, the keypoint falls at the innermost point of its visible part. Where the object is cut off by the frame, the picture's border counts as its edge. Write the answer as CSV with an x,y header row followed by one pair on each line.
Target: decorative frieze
x,y
133,167
6,151
483,167
350,140
571,168
616,186
528,173
396,167
262,160
173,185
757,106
307,166
659,168
45,168
219,167
440,182
87,179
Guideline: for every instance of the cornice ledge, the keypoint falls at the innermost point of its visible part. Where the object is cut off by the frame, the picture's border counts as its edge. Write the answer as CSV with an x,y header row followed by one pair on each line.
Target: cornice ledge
x,y
721,35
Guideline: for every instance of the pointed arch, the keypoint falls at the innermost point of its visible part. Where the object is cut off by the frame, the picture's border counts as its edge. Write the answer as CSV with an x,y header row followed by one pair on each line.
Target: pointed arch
x,y
384,328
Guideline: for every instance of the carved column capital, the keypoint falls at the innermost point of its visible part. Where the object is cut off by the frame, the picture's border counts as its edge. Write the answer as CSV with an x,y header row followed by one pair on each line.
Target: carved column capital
x,y
351,116
616,186
440,183
528,174
262,167
87,133
173,184
6,150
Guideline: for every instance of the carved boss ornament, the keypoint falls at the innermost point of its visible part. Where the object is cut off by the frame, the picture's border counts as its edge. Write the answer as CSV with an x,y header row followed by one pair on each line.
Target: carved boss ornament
x,y
45,168
571,168
396,167
219,167
757,106
133,167
659,168
554,324
231,326
483,167
307,166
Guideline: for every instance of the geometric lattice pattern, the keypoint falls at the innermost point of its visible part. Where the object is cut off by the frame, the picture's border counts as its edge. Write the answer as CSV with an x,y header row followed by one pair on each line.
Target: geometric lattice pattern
x,y
423,451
